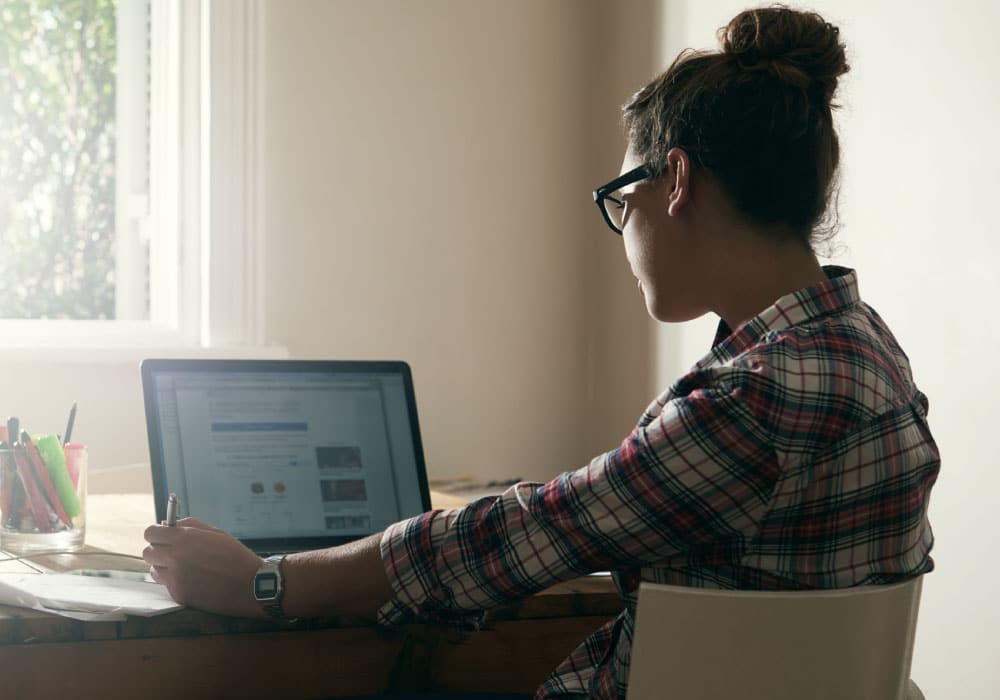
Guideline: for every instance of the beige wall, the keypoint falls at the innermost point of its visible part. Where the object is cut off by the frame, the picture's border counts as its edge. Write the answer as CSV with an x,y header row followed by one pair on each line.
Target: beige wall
x,y
429,168
110,418
428,176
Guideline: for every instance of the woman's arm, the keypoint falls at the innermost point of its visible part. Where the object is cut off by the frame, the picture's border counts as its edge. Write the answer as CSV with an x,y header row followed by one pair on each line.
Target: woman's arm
x,y
208,569
345,580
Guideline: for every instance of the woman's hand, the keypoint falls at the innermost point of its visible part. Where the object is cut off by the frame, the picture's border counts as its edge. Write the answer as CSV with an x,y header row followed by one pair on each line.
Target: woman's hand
x,y
203,567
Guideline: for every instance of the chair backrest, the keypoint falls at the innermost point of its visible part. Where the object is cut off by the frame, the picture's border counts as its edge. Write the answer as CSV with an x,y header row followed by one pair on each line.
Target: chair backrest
x,y
703,644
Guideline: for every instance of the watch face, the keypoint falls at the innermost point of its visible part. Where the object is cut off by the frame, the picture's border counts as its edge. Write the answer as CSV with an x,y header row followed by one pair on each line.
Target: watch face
x,y
265,586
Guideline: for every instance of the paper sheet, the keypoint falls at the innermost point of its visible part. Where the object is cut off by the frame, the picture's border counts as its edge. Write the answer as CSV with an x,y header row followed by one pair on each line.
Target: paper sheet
x,y
85,597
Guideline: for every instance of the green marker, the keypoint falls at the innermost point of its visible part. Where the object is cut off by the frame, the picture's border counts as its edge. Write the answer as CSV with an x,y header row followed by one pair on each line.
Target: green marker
x,y
52,454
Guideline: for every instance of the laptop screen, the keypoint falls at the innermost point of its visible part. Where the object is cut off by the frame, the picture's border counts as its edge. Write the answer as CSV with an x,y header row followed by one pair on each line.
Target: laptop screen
x,y
286,450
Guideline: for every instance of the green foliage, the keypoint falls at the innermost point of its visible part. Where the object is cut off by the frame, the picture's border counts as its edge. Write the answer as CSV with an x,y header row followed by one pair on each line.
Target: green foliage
x,y
57,157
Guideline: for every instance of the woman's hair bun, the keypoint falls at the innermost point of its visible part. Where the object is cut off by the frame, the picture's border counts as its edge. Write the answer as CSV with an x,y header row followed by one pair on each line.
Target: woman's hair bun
x,y
798,47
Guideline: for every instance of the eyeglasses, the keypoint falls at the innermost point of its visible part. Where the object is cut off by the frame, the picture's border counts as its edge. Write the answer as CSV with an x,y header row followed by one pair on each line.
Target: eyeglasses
x,y
611,201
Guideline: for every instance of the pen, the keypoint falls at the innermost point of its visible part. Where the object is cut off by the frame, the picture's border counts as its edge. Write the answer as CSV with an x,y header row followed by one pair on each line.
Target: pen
x,y
13,499
69,424
172,510
7,476
36,501
13,430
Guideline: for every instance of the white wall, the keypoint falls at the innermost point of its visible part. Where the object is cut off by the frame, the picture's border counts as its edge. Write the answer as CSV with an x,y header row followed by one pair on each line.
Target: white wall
x,y
920,153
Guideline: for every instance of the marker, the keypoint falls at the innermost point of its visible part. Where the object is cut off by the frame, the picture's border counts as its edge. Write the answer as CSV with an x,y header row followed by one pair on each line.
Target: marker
x,y
45,480
172,510
54,456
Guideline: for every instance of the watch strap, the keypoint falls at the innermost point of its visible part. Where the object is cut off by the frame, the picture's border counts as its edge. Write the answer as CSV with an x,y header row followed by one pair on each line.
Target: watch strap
x,y
272,605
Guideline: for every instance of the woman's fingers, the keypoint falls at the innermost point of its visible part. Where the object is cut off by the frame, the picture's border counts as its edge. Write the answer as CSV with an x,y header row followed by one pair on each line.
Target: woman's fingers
x,y
165,535
156,556
195,523
161,534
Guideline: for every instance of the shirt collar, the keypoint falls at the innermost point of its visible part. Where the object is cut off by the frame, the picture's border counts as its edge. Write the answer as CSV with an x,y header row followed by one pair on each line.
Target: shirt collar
x,y
837,293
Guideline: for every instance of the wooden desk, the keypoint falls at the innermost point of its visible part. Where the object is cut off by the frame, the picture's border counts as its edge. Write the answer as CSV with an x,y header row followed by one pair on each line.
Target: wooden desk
x,y
193,654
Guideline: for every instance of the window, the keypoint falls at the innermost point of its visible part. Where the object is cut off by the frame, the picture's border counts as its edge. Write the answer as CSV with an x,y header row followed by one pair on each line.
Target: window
x,y
123,125
74,160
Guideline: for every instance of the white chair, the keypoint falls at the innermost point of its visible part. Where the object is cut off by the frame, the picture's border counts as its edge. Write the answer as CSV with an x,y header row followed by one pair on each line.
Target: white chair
x,y
845,644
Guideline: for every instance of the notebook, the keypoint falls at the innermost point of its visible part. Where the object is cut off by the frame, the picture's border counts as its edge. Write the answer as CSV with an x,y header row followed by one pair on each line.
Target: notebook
x,y
287,455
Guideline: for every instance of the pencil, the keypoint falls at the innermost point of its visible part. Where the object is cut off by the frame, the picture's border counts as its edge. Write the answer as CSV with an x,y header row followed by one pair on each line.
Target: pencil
x,y
69,424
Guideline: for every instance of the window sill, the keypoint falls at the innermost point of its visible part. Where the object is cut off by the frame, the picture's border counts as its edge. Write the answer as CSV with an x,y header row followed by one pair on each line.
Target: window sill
x,y
110,355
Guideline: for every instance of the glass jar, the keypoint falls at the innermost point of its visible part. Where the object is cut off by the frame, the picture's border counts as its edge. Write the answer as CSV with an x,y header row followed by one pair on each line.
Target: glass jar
x,y
43,496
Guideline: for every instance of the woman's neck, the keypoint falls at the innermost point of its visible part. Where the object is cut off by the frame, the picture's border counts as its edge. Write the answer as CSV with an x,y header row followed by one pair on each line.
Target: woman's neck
x,y
760,273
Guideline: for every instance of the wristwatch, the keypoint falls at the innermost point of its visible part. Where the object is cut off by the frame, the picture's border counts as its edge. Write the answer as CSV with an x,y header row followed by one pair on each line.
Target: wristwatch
x,y
269,586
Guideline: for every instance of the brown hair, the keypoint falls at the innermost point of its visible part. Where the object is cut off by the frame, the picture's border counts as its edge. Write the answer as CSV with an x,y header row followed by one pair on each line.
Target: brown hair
x,y
757,115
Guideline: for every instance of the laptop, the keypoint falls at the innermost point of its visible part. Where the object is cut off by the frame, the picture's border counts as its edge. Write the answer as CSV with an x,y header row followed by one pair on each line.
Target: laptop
x,y
286,455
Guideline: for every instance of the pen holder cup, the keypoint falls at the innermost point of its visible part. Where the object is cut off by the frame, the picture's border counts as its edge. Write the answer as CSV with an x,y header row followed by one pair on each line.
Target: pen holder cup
x,y
43,497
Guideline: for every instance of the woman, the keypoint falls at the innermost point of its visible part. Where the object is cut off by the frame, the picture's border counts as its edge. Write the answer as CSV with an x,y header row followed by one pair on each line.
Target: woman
x,y
795,454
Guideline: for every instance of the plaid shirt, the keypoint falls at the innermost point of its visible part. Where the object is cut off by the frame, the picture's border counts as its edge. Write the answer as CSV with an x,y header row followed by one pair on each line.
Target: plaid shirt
x,y
796,454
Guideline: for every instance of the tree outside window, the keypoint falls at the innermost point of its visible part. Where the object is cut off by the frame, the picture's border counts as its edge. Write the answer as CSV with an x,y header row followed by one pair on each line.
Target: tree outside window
x,y
57,159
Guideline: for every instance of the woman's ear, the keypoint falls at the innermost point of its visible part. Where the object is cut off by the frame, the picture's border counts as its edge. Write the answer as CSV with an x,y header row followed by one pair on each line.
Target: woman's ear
x,y
679,172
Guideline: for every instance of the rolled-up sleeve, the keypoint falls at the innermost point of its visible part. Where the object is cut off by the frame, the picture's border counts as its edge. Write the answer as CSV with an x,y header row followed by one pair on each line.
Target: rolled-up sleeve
x,y
693,480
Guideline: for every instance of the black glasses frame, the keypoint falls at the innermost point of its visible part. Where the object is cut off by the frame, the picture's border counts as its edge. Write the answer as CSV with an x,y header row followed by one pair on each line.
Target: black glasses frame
x,y
603,193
